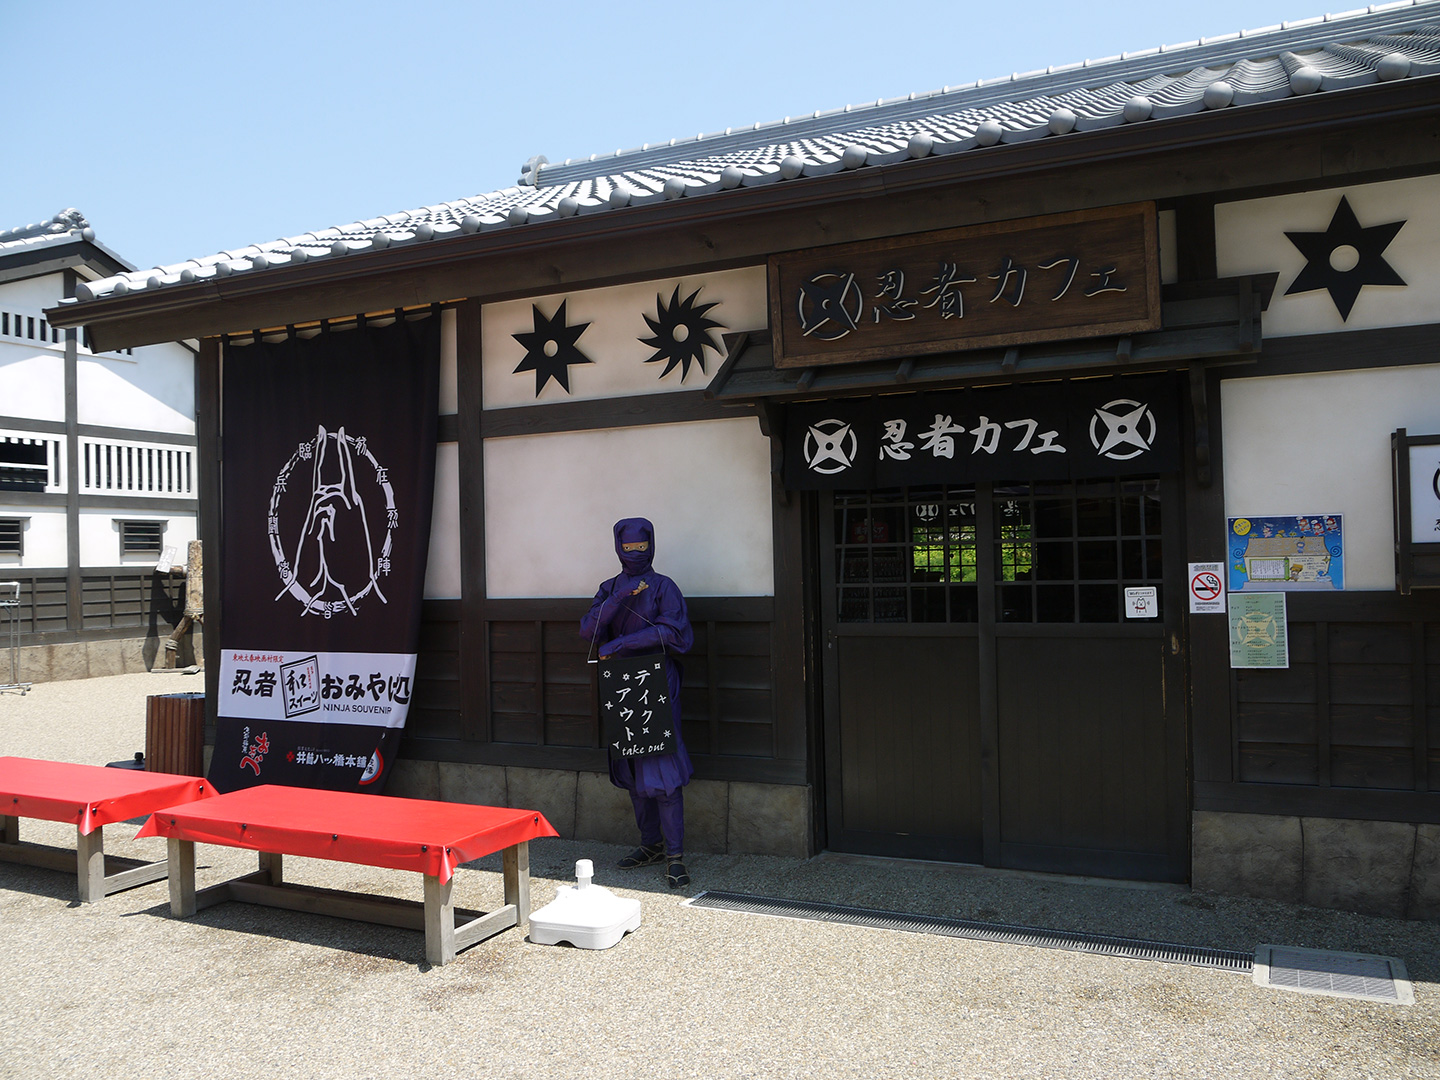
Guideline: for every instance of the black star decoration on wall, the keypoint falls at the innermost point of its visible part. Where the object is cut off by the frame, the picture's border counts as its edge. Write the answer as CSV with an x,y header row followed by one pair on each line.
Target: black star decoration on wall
x,y
550,349
1345,258
682,332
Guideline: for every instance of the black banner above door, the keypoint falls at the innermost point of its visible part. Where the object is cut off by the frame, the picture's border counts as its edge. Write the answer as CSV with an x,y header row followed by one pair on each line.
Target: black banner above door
x,y
1064,431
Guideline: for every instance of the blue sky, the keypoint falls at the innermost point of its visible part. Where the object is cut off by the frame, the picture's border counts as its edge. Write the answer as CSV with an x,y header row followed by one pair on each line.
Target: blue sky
x,y
184,129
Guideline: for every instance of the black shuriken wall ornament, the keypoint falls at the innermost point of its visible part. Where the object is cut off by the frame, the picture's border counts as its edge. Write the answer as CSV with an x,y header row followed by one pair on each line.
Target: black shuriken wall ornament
x,y
682,333
1343,241
550,349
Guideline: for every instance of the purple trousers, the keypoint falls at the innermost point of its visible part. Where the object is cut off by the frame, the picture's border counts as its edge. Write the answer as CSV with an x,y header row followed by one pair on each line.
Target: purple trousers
x,y
662,817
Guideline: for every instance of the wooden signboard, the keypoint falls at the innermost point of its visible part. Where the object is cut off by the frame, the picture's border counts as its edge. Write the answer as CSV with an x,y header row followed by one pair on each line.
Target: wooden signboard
x,y
1089,273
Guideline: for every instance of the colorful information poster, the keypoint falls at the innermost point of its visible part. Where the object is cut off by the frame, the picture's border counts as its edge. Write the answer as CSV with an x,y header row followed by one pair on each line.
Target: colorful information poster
x,y
1293,552
1258,637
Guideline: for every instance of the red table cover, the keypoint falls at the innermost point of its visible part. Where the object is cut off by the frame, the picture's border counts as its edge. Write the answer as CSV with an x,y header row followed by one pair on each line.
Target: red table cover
x,y
374,830
90,795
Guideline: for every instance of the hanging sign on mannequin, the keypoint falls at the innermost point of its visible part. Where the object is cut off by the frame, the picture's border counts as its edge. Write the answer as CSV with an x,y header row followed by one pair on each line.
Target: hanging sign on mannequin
x,y
635,711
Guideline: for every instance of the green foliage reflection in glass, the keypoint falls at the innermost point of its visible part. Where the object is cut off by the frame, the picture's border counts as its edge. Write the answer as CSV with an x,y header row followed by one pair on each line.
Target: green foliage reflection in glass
x,y
1016,548
943,553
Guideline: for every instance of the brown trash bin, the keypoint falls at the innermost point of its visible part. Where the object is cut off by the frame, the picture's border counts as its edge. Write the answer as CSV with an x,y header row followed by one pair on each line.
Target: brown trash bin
x,y
175,734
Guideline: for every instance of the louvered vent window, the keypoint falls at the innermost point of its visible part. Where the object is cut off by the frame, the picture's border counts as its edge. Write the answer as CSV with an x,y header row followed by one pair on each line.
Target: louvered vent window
x,y
12,536
141,537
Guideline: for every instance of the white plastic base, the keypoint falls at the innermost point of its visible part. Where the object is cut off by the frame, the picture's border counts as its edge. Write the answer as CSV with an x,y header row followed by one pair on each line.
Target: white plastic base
x,y
587,916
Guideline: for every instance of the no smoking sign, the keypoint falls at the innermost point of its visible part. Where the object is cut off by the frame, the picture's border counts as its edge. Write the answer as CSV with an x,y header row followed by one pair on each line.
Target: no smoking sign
x,y
1207,588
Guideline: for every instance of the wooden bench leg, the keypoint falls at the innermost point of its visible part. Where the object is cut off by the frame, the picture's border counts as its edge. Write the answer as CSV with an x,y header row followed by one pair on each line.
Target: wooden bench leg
x,y
9,829
180,858
439,920
516,863
273,863
90,860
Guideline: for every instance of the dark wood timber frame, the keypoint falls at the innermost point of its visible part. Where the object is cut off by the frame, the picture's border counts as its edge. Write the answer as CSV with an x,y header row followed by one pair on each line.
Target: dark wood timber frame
x,y
1347,731
463,710
1257,744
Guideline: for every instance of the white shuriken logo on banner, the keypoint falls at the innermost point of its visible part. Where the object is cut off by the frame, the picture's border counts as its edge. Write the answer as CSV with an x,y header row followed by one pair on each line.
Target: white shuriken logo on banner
x,y
830,446
333,564
1122,429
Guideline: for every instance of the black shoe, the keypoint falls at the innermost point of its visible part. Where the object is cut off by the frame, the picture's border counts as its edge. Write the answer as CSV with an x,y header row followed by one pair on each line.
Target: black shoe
x,y
642,856
676,875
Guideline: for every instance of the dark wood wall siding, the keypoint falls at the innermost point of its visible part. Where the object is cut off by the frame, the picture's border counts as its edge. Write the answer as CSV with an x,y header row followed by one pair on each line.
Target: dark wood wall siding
x,y
435,707
1352,728
540,695
111,600
1353,711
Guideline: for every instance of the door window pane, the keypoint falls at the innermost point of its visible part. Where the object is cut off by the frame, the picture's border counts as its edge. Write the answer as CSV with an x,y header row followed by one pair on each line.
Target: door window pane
x,y
901,553
1079,544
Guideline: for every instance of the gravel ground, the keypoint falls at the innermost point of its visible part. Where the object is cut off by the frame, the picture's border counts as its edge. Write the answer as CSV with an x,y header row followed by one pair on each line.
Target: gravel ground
x,y
121,989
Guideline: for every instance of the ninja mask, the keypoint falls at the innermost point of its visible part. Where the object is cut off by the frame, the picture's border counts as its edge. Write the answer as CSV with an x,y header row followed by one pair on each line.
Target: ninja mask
x,y
635,544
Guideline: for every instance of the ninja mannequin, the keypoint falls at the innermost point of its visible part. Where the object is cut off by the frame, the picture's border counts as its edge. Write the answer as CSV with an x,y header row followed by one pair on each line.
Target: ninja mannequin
x,y
639,611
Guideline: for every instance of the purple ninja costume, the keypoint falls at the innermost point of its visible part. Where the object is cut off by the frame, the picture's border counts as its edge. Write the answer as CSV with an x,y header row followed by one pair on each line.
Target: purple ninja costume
x,y
636,612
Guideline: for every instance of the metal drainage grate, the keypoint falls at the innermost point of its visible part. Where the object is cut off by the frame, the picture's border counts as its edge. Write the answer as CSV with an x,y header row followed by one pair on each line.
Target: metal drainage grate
x,y
1334,974
1131,948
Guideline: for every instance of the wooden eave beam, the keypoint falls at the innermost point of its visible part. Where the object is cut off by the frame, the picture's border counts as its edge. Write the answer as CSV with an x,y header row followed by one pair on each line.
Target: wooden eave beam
x,y
732,228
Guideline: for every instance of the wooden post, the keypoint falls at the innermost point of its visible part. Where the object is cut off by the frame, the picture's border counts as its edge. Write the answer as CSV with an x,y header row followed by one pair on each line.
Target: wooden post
x,y
440,920
180,857
516,862
273,863
90,859
9,829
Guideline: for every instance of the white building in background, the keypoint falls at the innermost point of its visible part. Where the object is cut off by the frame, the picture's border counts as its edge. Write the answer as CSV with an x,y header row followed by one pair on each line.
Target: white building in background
x,y
97,468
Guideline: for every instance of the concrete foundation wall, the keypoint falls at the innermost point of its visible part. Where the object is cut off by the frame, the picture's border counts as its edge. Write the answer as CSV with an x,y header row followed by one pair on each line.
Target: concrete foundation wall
x,y
721,817
89,659
1374,867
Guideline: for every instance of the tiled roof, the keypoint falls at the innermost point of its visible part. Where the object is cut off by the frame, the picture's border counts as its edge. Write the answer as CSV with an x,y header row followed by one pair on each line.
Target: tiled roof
x,y
1322,55
65,226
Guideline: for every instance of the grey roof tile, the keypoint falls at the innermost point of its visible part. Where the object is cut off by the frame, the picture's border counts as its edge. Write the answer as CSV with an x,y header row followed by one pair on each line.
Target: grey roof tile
x,y
1319,55
64,227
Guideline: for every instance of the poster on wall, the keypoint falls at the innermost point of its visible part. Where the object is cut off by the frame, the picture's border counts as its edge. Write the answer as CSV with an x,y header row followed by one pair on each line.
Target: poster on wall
x,y
329,473
1424,492
1289,552
1258,632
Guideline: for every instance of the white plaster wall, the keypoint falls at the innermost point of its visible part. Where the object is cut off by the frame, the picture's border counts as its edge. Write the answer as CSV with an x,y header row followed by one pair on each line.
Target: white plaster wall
x,y
551,500
1250,239
32,381
32,372
100,536
153,390
1308,444
617,321
442,568
31,296
44,538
